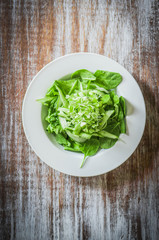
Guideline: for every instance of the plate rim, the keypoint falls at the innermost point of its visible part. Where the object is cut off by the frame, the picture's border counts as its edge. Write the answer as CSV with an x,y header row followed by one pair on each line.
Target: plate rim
x,y
46,66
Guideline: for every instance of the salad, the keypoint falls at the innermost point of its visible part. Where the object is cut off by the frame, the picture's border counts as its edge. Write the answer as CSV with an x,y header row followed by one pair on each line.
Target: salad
x,y
84,112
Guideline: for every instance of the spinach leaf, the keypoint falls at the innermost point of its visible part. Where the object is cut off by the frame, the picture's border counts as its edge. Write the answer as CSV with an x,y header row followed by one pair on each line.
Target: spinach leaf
x,y
116,99
120,114
108,80
93,85
113,127
106,116
84,74
67,86
123,126
123,105
90,148
106,99
105,134
106,143
62,140
75,147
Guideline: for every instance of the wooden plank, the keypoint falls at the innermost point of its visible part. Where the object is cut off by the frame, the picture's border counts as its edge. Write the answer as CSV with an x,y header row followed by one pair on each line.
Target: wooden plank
x,y
37,202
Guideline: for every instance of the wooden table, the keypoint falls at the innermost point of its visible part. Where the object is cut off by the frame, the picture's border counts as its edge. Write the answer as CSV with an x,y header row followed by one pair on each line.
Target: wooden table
x,y
37,202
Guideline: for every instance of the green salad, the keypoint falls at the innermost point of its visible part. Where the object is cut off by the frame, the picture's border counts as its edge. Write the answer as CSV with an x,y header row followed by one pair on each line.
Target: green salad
x,y
84,112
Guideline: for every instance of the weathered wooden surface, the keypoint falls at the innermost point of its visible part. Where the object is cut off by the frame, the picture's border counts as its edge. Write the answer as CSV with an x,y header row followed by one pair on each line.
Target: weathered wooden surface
x,y
37,202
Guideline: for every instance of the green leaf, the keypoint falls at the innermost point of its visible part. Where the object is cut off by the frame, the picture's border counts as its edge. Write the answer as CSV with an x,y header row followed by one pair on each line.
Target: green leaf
x,y
93,85
67,86
77,129
58,103
105,118
62,97
45,100
54,128
120,114
108,80
62,140
75,137
106,143
84,74
98,73
123,126
74,86
113,127
90,148
106,98
123,105
52,91
116,99
75,147
106,134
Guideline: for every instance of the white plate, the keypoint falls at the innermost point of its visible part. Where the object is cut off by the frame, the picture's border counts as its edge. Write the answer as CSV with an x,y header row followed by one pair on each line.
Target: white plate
x,y
69,162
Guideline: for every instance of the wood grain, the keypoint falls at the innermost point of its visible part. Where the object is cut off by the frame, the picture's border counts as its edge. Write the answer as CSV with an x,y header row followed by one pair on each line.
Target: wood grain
x,y
37,202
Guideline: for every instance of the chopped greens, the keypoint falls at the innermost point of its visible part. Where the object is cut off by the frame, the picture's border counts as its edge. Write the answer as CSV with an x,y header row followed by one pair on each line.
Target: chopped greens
x,y
84,113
